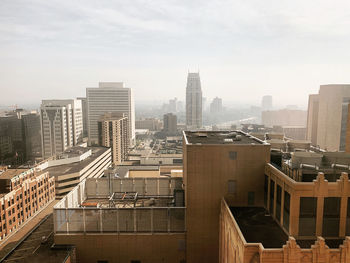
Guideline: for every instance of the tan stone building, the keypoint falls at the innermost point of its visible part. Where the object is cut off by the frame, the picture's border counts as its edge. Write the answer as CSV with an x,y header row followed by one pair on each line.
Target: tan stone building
x,y
113,133
328,117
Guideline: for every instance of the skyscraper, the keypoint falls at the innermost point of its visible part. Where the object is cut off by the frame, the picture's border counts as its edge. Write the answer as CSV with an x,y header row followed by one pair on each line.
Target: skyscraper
x,y
110,97
85,122
61,125
216,105
266,103
328,116
170,123
113,133
193,101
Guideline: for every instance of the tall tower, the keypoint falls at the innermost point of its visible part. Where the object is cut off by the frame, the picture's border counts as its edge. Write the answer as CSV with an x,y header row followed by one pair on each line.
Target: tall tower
x,y
61,125
110,97
193,101
266,103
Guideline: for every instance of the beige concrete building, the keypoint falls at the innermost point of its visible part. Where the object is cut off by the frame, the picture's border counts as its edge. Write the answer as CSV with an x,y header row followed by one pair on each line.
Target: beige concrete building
x,y
151,124
217,165
285,117
113,132
170,123
328,116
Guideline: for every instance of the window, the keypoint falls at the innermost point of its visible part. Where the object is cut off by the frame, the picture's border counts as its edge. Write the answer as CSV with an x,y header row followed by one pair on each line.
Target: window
x,y
286,208
331,217
135,261
231,186
307,219
272,195
278,202
232,155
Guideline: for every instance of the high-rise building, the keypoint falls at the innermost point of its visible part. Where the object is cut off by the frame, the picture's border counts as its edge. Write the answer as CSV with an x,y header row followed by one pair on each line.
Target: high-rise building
x,y
284,117
173,105
109,97
266,103
328,117
113,132
85,116
32,135
61,125
193,101
216,106
170,123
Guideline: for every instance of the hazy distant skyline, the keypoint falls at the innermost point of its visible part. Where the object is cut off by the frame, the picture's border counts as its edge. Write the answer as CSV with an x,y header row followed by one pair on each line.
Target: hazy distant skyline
x,y
243,49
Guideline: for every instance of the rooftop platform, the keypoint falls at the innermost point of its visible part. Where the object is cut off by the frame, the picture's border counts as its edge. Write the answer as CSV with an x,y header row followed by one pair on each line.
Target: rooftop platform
x,y
10,173
77,166
220,137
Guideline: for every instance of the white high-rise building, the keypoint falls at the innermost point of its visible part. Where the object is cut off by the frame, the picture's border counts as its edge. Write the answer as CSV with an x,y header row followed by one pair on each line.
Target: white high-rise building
x,y
266,103
193,101
61,125
111,97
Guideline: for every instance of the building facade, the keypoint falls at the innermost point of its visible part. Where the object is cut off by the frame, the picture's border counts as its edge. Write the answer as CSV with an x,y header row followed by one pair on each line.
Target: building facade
x,y
32,135
216,106
109,97
61,125
284,117
85,116
266,103
170,123
24,192
113,132
217,165
328,117
151,124
193,101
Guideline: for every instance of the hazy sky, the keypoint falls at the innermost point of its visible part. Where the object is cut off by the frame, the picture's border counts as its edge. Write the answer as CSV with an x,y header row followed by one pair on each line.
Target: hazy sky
x,y
244,49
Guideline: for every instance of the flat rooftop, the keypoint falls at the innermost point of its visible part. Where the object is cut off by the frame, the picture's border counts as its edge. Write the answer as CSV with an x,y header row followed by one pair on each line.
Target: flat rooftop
x,y
10,173
77,166
220,137
73,152
122,170
258,226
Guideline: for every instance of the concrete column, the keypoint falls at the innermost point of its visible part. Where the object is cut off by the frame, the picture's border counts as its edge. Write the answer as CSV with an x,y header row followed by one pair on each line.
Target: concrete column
x,y
343,210
294,214
319,215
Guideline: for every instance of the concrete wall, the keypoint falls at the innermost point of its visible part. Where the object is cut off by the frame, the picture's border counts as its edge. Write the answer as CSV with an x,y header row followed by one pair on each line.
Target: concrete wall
x,y
207,171
160,248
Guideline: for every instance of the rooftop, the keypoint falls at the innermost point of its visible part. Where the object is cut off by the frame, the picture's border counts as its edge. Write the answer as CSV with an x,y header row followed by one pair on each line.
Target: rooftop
x,y
10,173
258,226
220,137
77,166
123,170
72,152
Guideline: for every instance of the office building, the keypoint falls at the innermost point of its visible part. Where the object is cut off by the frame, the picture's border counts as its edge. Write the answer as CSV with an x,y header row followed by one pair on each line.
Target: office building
x,y
32,135
61,125
170,123
23,193
113,132
109,97
216,106
266,103
284,117
328,117
151,124
76,164
173,105
193,101
85,116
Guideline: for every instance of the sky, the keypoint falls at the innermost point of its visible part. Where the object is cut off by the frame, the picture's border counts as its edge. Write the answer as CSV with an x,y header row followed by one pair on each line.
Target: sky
x,y
242,49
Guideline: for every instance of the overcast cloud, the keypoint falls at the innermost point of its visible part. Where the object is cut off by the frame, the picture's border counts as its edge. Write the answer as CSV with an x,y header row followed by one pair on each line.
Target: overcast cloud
x,y
243,49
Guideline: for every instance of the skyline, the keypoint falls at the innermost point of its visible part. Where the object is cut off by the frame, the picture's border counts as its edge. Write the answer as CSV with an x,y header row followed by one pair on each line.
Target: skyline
x,y
57,49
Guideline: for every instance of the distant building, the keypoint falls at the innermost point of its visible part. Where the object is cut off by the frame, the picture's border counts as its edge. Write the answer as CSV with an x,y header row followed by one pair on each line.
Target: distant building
x,y
32,135
216,106
151,124
284,117
173,105
193,101
85,116
328,117
109,97
23,193
266,103
113,132
170,123
61,125
295,132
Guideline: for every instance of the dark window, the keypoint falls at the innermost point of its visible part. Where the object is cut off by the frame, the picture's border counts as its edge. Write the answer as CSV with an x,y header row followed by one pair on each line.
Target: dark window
x,y
231,187
272,192
266,187
331,217
233,155
102,261
135,261
278,203
307,218
286,208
